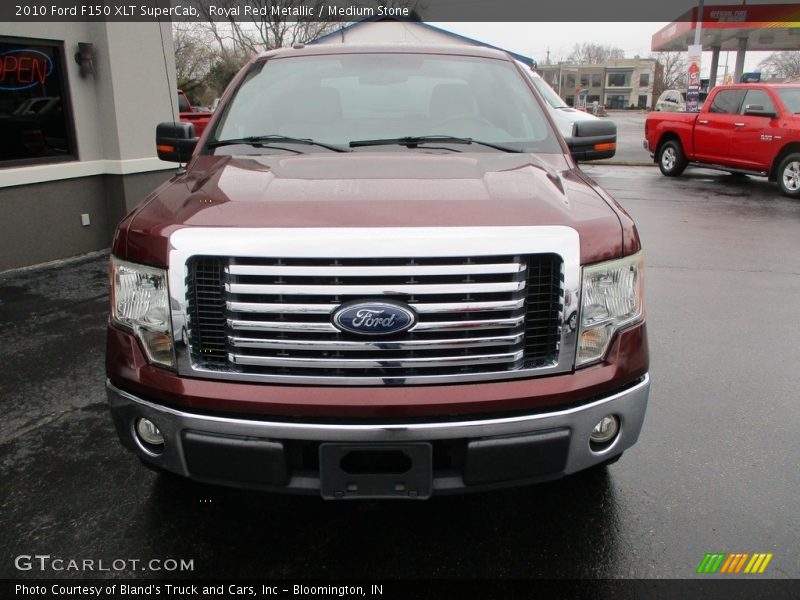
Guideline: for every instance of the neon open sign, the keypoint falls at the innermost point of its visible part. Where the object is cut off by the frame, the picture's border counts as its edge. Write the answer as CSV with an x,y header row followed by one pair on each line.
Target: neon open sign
x,y
24,68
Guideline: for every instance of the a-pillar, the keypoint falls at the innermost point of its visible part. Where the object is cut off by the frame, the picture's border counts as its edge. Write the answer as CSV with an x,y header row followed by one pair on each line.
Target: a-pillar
x,y
737,72
712,77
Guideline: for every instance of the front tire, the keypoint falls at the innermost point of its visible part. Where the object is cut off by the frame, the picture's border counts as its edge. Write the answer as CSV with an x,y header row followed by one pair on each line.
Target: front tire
x,y
671,159
789,175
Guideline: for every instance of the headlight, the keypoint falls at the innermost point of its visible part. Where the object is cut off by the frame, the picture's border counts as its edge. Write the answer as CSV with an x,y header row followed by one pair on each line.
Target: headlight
x,y
611,298
140,304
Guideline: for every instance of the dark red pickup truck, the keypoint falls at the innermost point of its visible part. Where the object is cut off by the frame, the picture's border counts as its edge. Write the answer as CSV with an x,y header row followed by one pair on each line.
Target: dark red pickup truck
x,y
749,128
381,275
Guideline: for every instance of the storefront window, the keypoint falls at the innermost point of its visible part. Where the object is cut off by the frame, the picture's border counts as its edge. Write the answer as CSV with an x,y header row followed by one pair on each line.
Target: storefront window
x,y
616,100
34,110
619,79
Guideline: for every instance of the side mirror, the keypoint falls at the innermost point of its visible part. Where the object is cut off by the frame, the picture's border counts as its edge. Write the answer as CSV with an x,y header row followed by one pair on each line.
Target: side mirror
x,y
593,140
175,141
757,110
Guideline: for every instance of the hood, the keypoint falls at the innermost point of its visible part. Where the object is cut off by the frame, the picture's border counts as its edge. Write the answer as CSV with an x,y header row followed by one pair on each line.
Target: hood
x,y
375,189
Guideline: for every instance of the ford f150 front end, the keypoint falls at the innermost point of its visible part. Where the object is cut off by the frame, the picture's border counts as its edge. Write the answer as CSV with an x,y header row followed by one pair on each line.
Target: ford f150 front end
x,y
381,275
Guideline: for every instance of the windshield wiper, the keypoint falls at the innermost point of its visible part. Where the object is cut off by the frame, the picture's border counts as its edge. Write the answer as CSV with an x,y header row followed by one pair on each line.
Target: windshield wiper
x,y
262,140
415,140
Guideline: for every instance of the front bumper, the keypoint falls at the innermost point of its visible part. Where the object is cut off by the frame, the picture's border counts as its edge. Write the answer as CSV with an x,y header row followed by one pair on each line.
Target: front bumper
x,y
470,454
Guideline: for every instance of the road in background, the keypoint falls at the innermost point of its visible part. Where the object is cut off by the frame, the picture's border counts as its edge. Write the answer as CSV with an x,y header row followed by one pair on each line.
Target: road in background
x,y
716,467
630,134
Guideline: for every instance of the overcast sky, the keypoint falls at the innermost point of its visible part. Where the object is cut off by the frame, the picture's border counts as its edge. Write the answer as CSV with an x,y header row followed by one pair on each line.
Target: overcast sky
x,y
534,39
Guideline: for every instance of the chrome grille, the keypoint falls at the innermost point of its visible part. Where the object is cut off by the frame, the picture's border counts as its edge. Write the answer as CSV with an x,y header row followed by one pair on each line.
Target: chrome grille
x,y
272,317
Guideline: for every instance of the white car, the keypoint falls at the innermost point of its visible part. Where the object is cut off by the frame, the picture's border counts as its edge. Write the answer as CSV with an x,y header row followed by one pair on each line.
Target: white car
x,y
572,124
675,101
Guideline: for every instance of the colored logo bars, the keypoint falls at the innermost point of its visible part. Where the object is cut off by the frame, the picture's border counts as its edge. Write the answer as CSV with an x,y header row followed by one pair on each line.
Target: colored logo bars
x,y
734,563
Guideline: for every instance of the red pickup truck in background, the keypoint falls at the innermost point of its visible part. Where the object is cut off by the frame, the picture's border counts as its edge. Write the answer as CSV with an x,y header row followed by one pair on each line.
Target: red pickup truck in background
x,y
190,115
750,129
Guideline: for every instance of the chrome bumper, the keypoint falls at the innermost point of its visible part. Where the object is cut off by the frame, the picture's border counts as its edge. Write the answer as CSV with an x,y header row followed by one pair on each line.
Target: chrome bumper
x,y
628,405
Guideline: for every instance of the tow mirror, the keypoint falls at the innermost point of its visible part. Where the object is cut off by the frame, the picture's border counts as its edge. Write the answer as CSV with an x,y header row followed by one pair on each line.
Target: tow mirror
x,y
758,110
593,140
175,141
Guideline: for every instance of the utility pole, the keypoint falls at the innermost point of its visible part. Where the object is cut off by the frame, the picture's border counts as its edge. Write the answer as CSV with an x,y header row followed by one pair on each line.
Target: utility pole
x,y
559,78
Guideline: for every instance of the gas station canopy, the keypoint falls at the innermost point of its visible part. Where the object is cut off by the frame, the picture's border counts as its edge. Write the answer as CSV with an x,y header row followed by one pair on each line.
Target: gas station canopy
x,y
769,27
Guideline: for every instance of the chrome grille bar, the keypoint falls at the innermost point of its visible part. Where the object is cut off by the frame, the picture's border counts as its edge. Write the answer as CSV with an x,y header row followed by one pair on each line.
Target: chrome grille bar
x,y
345,345
325,327
369,363
419,307
379,271
375,290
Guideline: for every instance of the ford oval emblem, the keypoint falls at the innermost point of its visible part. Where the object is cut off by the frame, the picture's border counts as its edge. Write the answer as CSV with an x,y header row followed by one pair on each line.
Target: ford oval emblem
x,y
374,318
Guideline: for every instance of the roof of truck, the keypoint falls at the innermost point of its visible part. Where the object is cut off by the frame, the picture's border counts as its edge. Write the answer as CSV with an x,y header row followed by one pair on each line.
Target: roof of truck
x,y
456,36
393,48
747,86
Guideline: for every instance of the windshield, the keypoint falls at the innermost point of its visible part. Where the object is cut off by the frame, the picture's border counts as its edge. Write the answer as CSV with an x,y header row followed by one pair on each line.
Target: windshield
x,y
337,99
548,93
790,98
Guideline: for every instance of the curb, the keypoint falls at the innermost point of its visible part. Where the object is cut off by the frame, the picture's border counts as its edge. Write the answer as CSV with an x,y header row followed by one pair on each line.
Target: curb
x,y
59,262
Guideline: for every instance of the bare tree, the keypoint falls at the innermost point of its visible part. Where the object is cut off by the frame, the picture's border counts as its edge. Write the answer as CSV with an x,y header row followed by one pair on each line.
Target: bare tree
x,y
207,56
589,53
782,65
277,28
233,40
193,55
271,24
672,75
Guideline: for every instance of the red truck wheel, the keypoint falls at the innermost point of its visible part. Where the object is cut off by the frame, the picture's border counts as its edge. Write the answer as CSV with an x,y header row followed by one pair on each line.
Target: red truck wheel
x,y
671,159
789,175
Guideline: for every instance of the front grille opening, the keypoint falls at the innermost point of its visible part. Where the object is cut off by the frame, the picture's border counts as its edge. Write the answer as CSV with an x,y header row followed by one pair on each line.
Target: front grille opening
x,y
273,316
206,307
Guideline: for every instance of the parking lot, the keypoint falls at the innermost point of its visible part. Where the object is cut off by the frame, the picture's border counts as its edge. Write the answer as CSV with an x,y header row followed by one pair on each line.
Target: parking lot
x,y
630,134
716,467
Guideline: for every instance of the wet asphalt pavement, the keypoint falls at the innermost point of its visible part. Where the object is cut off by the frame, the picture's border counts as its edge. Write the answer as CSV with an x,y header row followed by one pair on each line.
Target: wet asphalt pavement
x,y
717,467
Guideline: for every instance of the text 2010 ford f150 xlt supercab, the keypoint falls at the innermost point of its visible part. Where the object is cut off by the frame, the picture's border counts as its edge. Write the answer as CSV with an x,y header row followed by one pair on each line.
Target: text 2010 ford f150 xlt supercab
x,y
380,275
750,128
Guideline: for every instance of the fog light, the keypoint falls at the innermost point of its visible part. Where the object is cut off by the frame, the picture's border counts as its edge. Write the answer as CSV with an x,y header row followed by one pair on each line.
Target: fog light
x,y
148,432
605,430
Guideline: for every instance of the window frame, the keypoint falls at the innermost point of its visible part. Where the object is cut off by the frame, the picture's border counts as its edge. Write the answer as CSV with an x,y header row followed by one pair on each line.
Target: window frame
x,y
66,99
626,79
736,110
766,107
